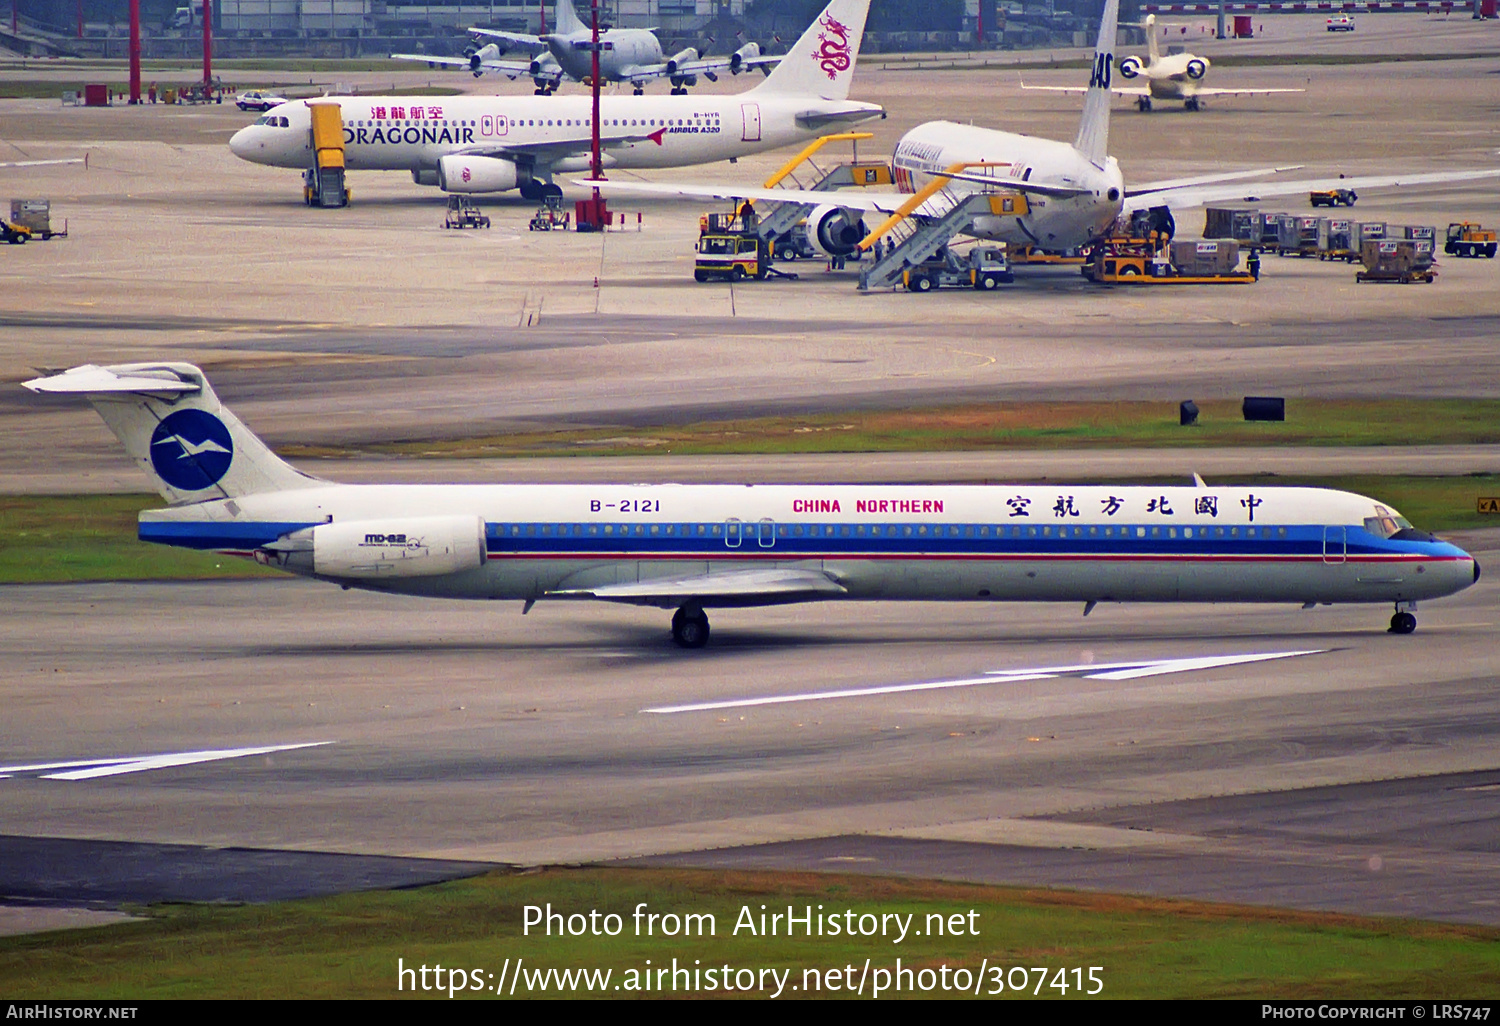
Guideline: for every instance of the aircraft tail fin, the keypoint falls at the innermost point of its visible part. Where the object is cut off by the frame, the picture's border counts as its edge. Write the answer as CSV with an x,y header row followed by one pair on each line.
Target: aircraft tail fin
x,y
1093,129
1151,38
176,429
565,19
821,63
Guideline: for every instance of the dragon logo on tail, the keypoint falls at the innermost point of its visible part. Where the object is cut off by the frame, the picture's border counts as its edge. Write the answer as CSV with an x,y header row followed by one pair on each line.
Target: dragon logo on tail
x,y
832,53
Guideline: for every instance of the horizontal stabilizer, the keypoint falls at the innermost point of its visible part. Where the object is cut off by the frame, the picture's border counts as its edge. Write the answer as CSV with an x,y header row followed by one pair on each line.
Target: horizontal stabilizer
x,y
94,380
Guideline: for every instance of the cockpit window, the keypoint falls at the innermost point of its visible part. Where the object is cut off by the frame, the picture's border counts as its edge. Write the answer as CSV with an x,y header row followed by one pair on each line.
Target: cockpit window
x,y
1386,526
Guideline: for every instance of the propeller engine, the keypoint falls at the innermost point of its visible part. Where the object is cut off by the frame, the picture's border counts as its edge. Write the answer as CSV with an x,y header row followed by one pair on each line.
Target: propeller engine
x,y
739,57
833,231
1130,67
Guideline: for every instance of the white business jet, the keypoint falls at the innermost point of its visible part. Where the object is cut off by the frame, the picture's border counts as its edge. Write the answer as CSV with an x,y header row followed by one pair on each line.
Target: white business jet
x,y
481,144
1075,192
625,55
1177,76
693,547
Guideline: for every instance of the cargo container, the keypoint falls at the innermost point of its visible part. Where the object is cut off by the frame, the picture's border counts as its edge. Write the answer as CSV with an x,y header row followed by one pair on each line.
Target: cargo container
x,y
1202,259
1238,223
1393,260
1361,232
1296,235
1270,229
35,215
1334,242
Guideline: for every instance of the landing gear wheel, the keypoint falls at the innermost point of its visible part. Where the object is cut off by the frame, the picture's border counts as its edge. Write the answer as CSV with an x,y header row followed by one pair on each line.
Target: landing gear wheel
x,y
690,628
1403,623
1191,104
1143,104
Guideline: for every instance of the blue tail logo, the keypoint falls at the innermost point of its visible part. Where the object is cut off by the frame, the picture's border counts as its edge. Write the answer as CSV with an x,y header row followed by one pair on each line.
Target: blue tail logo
x,y
191,450
1103,70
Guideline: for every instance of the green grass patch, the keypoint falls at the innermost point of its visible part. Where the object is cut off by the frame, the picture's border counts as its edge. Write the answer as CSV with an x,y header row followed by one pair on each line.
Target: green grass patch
x,y
61,538
349,946
54,538
992,426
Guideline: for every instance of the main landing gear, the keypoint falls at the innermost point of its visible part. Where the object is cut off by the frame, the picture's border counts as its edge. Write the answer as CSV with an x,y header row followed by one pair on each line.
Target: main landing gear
x,y
1143,103
1192,103
1404,622
690,627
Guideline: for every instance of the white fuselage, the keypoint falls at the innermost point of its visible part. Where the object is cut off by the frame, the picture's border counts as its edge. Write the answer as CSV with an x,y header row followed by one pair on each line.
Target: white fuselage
x,y
624,51
933,542
1051,222
380,133
1173,77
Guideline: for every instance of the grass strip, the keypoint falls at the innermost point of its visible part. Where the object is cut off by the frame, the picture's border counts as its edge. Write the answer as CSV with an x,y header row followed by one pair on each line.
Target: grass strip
x,y
63,538
349,946
1032,425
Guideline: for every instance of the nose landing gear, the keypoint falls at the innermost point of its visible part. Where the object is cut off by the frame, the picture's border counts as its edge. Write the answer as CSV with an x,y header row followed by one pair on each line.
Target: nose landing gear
x,y
1404,622
690,627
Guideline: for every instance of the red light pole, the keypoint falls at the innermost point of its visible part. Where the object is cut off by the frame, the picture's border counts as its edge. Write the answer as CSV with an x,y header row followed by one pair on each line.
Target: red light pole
x,y
135,51
208,44
592,214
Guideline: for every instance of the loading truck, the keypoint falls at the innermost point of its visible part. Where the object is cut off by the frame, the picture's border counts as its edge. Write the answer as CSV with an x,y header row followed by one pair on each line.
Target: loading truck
x,y
1468,239
983,267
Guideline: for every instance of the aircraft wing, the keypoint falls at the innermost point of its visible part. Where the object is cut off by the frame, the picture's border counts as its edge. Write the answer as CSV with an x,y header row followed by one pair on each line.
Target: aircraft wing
x,y
1196,196
555,149
869,200
859,199
755,587
1227,176
1209,91
714,65
515,69
40,163
512,37
1080,90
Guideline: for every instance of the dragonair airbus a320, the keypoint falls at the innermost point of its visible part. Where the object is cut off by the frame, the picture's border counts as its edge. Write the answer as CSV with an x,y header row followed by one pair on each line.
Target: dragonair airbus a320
x,y
694,547
484,144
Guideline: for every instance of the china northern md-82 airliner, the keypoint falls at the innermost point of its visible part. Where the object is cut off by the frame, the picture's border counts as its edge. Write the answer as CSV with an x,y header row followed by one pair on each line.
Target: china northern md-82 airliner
x,y
693,547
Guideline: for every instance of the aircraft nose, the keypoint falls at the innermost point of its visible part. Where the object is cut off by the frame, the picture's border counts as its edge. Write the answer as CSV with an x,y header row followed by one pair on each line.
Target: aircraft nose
x,y
1476,571
240,143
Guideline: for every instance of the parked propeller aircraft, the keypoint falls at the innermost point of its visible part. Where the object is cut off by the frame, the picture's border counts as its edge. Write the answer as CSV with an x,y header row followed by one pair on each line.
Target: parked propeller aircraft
x,y
694,547
479,144
625,55
1075,192
1177,76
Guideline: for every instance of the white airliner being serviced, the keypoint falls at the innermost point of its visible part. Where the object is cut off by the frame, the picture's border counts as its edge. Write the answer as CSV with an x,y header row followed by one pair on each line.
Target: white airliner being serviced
x,y
1075,192
481,144
692,547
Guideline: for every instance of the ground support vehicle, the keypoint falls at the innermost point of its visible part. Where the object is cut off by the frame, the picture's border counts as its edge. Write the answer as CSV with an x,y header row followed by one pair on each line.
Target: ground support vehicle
x,y
15,234
984,267
794,246
1334,198
462,213
323,184
1155,261
1392,260
1468,239
1020,254
36,217
1340,23
550,216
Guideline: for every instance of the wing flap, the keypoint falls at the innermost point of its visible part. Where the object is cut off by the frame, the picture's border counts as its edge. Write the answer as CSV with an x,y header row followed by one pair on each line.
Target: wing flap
x,y
735,588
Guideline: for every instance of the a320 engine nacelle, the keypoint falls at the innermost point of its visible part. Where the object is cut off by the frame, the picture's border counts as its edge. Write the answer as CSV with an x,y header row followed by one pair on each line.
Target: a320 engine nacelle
x,y
833,231
384,549
458,173
1130,67
1197,68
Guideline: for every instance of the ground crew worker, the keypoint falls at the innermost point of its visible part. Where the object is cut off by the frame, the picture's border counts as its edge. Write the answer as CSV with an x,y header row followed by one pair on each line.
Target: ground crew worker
x,y
1254,265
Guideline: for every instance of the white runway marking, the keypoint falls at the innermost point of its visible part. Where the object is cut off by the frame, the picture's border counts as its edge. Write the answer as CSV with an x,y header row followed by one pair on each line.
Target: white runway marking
x,y
87,769
1095,671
